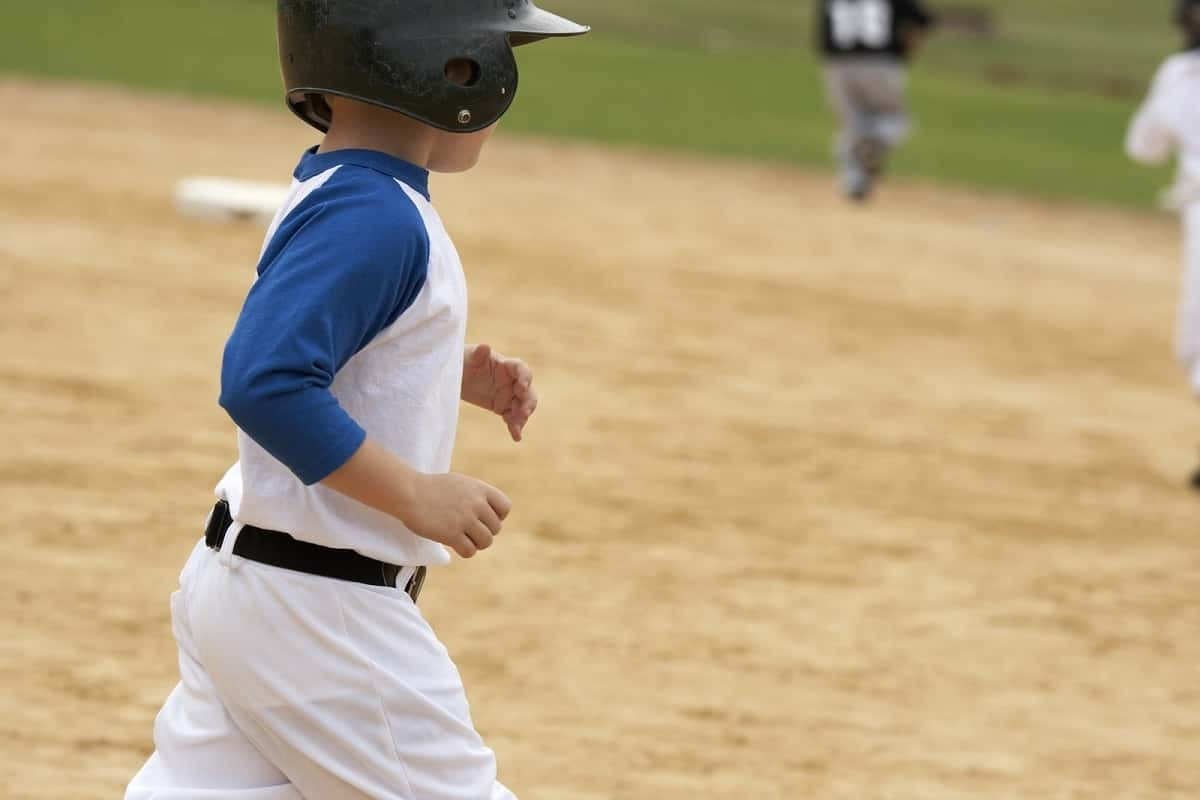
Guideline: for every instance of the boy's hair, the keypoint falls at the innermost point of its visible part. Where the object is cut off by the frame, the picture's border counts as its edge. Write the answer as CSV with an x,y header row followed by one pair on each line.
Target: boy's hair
x,y
398,54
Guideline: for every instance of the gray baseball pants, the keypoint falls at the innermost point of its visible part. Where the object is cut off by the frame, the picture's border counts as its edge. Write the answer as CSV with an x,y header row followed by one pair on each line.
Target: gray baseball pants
x,y
868,96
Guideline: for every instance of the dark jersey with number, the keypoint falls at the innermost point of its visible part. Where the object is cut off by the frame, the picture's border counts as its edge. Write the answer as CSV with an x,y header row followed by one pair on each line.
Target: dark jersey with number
x,y
869,27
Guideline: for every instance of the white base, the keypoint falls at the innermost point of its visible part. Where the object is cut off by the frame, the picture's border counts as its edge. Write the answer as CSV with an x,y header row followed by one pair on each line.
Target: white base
x,y
229,200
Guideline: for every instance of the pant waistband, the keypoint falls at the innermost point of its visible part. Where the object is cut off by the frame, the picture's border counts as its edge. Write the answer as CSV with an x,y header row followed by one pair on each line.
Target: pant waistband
x,y
279,549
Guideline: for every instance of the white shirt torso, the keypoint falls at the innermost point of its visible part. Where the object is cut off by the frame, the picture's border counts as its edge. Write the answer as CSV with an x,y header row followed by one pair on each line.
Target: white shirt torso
x,y
403,388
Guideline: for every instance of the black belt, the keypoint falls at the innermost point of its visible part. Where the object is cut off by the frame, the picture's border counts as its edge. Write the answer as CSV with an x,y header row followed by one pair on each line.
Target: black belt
x,y
279,549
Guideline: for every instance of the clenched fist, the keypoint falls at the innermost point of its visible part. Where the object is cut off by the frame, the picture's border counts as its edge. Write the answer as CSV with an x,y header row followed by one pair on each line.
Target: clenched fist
x,y
456,510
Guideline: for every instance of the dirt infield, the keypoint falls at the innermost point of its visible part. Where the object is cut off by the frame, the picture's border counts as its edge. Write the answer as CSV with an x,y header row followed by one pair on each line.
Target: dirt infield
x,y
821,502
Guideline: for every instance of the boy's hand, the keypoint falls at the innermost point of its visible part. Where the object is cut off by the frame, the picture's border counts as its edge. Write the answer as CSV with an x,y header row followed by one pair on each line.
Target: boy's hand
x,y
501,385
454,510
457,511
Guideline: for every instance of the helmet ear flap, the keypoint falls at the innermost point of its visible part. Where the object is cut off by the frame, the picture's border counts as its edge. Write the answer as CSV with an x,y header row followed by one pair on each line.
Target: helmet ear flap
x,y
476,84
463,72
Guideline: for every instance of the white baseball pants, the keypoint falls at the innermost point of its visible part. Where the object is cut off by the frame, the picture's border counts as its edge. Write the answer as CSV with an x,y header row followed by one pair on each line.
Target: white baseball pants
x,y
1187,342
297,686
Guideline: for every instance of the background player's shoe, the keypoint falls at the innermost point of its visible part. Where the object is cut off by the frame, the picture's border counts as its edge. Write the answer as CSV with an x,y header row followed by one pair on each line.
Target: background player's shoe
x,y
858,188
868,156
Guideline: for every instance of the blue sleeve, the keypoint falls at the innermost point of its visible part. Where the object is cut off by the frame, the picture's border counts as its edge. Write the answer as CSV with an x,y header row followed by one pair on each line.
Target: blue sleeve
x,y
342,266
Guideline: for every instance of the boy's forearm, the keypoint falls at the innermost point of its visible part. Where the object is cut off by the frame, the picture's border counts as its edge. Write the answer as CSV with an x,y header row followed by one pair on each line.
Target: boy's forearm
x,y
378,478
453,510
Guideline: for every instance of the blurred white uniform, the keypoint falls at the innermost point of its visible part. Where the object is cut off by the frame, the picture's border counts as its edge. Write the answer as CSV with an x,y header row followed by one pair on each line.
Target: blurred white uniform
x,y
1168,124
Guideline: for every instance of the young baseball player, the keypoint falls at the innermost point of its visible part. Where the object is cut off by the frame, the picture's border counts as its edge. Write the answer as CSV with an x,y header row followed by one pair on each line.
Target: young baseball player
x,y
306,670
865,45
1168,123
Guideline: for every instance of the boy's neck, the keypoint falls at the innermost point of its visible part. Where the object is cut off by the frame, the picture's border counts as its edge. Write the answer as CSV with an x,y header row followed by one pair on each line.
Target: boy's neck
x,y
363,127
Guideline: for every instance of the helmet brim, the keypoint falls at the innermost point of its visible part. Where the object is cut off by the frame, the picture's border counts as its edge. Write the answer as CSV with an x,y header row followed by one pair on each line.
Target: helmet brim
x,y
535,24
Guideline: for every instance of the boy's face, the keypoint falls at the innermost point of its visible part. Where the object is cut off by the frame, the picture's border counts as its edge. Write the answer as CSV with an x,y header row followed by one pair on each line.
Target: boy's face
x,y
458,152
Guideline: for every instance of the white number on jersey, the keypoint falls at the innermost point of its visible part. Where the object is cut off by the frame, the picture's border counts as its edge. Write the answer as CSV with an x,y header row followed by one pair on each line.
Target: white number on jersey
x,y
861,22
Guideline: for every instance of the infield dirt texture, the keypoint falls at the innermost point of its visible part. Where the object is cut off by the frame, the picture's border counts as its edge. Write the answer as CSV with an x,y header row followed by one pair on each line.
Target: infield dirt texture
x,y
820,503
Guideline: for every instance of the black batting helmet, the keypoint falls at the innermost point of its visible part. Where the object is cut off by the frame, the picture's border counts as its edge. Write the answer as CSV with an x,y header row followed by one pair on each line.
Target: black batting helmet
x,y
400,54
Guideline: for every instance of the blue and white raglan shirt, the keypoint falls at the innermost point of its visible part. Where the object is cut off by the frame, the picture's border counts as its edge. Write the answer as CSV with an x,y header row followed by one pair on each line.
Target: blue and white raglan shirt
x,y
355,326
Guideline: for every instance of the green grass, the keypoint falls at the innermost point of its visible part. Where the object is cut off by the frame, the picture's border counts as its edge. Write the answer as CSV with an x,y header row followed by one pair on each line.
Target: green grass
x,y
1103,45
1039,108
216,47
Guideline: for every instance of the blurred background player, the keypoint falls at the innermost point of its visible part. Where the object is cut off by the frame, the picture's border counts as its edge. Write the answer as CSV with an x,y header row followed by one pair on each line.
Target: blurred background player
x,y
865,45
1168,123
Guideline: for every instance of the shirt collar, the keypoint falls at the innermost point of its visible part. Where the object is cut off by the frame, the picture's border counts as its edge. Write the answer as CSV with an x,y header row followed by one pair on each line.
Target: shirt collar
x,y
313,163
